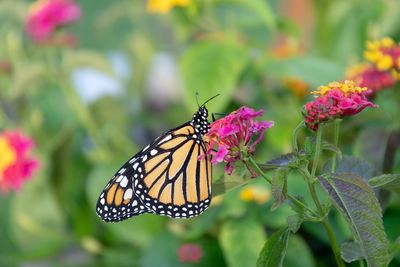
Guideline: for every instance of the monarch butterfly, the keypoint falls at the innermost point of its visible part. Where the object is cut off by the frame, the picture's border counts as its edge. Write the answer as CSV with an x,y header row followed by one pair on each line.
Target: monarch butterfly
x,y
171,176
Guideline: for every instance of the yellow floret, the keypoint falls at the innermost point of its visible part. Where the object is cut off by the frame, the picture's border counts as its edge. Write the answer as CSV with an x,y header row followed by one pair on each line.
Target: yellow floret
x,y
8,155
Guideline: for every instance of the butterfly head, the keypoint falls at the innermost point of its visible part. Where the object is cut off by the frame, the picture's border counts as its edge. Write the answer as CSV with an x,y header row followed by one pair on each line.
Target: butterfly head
x,y
200,121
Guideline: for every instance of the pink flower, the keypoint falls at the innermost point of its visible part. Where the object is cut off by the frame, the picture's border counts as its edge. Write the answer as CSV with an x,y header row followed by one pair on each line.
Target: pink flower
x,y
15,165
369,76
190,253
336,100
234,137
46,16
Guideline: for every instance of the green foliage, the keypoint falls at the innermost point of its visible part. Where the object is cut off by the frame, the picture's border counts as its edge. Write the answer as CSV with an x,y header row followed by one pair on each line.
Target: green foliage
x,y
274,249
355,200
241,240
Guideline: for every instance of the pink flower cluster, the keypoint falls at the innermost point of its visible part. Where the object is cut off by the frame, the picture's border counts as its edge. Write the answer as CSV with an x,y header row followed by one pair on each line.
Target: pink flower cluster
x,y
337,100
235,136
16,166
190,253
372,78
46,16
382,69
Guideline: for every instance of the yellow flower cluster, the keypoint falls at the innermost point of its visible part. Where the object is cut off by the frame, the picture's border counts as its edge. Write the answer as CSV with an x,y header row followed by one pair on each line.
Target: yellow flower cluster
x,y
8,155
376,54
255,193
164,6
347,87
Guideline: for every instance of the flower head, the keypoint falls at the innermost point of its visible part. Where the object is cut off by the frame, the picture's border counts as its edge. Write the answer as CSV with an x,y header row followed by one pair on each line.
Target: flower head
x,y
15,164
334,101
234,137
384,54
365,75
255,193
190,253
164,6
45,16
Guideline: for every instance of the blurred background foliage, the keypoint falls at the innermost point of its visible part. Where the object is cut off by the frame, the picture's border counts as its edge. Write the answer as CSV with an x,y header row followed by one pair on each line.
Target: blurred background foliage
x,y
132,75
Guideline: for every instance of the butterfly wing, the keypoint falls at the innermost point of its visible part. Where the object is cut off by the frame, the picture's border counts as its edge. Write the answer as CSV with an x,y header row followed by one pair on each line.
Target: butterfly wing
x,y
174,176
117,201
171,176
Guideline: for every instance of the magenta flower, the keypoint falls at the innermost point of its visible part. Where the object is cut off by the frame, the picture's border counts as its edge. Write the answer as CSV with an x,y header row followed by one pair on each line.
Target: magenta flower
x,y
16,166
334,101
190,253
234,137
369,76
45,16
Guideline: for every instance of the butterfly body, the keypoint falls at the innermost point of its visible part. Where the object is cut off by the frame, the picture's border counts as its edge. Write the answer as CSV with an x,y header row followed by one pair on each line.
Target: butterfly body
x,y
171,176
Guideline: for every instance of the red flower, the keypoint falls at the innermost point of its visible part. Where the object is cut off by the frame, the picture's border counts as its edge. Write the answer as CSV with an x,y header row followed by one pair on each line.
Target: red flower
x,y
190,253
45,16
365,75
235,136
337,100
15,165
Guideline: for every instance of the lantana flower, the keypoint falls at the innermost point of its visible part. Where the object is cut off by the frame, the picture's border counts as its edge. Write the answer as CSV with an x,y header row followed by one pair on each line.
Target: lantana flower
x,y
334,101
46,16
190,253
16,166
164,6
366,75
384,54
234,137
258,194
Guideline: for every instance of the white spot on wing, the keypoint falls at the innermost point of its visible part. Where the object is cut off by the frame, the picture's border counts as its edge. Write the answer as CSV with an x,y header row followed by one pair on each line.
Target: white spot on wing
x,y
168,137
128,193
124,182
153,152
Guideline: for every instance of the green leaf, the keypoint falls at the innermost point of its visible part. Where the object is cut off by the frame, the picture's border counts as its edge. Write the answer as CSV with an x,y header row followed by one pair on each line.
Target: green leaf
x,y
386,181
294,222
86,58
279,187
274,249
298,253
212,68
357,202
241,241
283,160
260,8
351,251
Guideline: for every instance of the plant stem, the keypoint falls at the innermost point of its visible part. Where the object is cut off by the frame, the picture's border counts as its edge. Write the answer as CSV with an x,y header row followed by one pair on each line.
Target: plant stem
x,y
295,134
263,175
336,129
311,187
317,153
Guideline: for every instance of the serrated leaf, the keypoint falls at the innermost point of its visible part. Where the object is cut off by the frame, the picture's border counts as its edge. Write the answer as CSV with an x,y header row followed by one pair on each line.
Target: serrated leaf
x,y
283,160
274,250
241,241
355,199
351,251
389,182
212,68
294,222
279,187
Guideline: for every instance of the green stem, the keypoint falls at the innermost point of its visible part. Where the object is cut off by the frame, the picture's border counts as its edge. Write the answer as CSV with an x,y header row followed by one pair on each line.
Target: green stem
x,y
317,153
336,129
263,175
311,187
295,134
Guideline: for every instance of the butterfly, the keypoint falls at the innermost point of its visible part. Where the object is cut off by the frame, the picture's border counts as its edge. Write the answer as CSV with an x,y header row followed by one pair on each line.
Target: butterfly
x,y
171,176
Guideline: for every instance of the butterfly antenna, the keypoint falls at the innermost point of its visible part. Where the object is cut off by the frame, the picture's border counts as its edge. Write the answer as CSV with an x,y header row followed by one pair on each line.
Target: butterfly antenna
x,y
210,99
197,99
